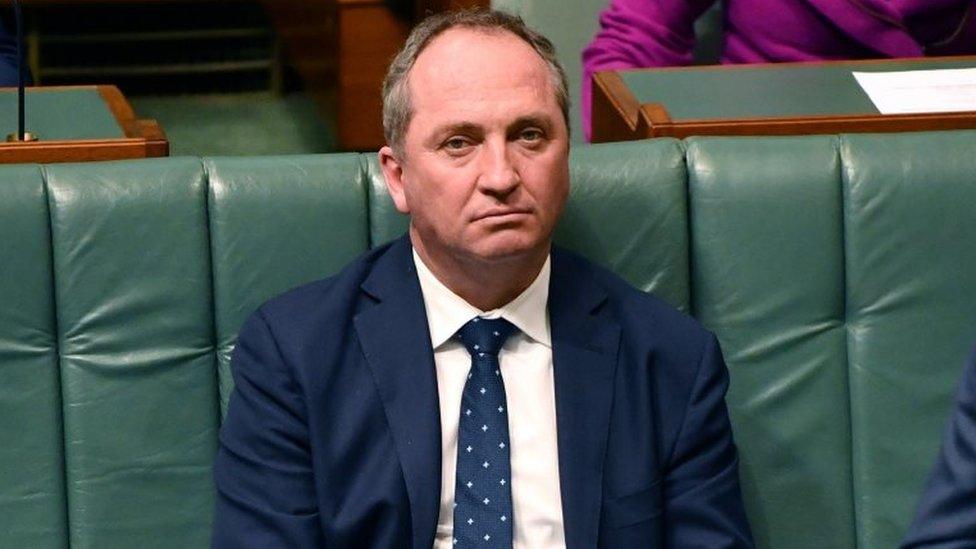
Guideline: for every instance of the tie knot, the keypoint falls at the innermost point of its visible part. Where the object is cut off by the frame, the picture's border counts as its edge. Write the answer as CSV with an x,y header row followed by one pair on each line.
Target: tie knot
x,y
485,336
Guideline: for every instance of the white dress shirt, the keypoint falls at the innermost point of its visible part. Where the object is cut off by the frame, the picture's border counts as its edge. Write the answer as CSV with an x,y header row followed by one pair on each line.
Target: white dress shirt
x,y
526,366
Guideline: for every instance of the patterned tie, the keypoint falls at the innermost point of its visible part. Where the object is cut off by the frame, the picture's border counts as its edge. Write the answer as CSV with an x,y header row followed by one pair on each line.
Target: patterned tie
x,y
482,490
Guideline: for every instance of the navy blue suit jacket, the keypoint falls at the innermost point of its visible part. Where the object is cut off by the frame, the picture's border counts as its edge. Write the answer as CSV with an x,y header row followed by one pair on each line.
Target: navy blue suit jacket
x,y
332,437
946,514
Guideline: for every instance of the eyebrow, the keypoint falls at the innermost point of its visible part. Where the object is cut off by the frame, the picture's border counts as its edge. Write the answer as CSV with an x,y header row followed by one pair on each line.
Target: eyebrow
x,y
459,127
534,119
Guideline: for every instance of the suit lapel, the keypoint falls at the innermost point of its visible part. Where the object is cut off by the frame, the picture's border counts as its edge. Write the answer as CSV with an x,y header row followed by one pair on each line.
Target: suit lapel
x,y
585,342
396,342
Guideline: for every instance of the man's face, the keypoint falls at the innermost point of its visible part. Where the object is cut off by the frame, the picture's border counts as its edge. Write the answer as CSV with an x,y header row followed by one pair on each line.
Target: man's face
x,y
484,168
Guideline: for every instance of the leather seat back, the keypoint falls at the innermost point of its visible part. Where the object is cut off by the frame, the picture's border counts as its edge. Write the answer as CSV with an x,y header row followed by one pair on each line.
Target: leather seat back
x,y
838,273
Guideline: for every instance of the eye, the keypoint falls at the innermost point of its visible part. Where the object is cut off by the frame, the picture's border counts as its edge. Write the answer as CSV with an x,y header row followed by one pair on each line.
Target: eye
x,y
531,135
457,144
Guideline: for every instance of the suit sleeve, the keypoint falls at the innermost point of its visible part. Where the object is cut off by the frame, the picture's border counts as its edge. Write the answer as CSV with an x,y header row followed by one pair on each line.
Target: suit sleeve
x,y
945,516
703,500
640,33
263,472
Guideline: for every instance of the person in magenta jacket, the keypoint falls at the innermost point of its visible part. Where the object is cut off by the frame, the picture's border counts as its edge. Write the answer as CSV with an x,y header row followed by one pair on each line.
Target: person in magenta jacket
x,y
655,33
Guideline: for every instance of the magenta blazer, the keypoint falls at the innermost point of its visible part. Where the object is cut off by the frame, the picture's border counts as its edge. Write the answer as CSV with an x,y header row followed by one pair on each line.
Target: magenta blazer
x,y
654,33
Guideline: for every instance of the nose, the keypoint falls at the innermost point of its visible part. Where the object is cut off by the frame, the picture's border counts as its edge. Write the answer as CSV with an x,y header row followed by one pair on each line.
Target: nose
x,y
499,175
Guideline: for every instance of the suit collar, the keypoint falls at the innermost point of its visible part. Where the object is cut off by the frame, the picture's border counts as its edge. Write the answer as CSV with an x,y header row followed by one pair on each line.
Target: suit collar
x,y
394,338
585,343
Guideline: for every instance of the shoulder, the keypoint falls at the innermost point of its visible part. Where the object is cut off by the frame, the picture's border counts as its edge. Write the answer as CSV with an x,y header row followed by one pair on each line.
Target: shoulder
x,y
330,300
663,356
643,317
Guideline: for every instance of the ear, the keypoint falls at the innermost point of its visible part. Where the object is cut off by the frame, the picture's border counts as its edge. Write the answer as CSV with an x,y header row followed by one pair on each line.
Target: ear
x,y
393,174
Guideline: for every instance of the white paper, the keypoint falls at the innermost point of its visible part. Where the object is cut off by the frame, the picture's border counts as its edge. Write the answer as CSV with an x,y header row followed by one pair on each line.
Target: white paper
x,y
905,92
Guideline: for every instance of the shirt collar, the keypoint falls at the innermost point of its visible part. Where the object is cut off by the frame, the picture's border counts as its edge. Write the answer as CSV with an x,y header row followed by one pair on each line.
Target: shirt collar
x,y
447,312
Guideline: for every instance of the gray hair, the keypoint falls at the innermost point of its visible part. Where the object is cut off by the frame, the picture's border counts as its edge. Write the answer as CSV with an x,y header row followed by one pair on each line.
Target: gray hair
x,y
397,107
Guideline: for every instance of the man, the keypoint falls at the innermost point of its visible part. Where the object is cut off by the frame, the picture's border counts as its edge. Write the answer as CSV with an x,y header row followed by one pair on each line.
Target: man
x,y
945,516
468,385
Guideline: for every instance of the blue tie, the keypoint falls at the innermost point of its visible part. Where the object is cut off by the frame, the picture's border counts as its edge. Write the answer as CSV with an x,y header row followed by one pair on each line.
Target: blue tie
x,y
483,487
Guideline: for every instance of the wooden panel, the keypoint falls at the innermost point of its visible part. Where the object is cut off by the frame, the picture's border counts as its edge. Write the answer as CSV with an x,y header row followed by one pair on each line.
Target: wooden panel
x,y
341,49
369,37
307,32
434,6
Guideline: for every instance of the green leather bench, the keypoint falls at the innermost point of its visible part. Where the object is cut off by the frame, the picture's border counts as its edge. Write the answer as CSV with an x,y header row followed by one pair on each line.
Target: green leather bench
x,y
838,272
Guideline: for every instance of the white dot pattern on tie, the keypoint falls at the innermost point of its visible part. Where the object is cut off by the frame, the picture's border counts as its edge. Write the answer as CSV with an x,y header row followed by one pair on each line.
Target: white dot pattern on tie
x,y
483,496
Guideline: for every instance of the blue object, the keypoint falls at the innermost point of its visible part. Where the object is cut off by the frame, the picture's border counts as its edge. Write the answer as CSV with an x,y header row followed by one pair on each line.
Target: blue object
x,y
483,489
332,435
945,516
8,58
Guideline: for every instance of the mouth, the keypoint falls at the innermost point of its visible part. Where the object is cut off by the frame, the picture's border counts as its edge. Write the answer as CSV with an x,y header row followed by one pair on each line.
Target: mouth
x,y
502,214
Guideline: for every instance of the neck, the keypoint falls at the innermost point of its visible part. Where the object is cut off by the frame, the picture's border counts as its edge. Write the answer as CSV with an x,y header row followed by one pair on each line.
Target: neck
x,y
485,284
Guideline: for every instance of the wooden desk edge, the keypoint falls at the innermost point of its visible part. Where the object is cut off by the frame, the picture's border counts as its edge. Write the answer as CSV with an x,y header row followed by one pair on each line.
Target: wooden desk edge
x,y
135,128
143,138
614,109
617,115
87,150
812,125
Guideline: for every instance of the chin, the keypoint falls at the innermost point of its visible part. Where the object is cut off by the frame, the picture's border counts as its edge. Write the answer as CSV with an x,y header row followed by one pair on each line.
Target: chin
x,y
510,249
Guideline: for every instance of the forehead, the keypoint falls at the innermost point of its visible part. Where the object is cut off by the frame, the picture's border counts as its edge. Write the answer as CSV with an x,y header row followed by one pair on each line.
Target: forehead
x,y
482,68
